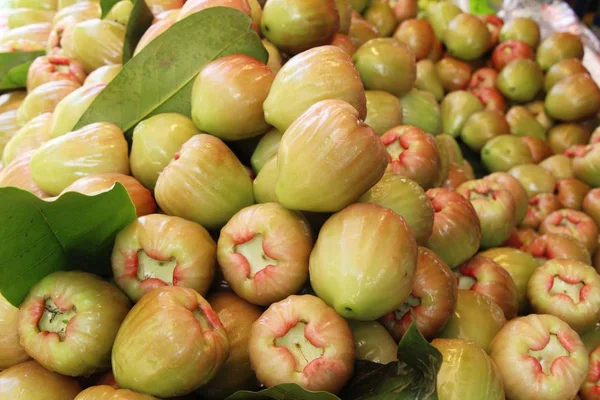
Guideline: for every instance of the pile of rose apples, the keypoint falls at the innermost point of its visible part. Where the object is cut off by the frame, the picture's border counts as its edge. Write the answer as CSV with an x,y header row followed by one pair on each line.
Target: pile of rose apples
x,y
360,214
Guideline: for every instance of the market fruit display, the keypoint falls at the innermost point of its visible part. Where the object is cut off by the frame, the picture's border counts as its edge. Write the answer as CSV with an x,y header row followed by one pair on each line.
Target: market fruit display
x,y
307,199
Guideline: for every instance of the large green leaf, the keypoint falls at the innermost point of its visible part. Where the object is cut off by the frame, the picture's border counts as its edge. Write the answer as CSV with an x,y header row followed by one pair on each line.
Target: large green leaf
x,y
14,67
160,78
140,20
74,231
106,6
285,391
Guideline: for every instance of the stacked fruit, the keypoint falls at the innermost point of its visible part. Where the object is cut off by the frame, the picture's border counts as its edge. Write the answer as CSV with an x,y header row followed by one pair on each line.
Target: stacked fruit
x,y
361,214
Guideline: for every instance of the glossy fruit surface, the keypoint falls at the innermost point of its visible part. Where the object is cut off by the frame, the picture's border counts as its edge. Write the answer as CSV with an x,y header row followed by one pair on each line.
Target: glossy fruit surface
x,y
559,46
520,80
558,246
12,353
483,126
573,98
30,381
503,152
418,35
454,74
383,111
562,69
534,179
573,223
373,342
524,29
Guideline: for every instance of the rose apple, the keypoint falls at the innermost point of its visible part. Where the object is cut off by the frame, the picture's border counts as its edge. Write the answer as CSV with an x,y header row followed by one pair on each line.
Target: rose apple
x,y
302,340
69,320
456,232
373,342
540,355
515,188
456,108
171,343
491,98
11,351
353,159
428,79
495,207
558,246
454,74
538,147
70,109
559,46
54,68
585,163
263,253
18,174
538,110
485,276
467,37
361,31
571,192
494,25
573,98
503,152
510,50
325,72
559,165
523,29
407,199
418,35
105,392
403,9
567,289
343,259
185,188
523,122
534,179
104,74
237,317
456,176
44,99
562,69
432,298
540,206
413,153
264,184
476,318
573,223
30,381
563,136
521,237
194,6
464,361
420,109
266,148
383,111
519,264
484,77
520,80
591,205
439,16
590,390
159,250
275,61
154,31
30,137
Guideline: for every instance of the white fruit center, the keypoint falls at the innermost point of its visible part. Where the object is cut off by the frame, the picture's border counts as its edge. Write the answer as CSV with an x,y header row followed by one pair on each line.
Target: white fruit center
x,y
253,251
573,290
410,302
395,149
54,319
150,268
466,282
302,350
553,350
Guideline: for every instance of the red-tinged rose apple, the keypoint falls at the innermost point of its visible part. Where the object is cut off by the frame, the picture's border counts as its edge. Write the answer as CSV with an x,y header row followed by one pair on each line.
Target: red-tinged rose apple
x,y
519,264
540,206
540,357
413,153
590,390
18,174
456,232
193,6
457,175
559,165
302,340
94,184
534,179
521,237
171,343
495,207
510,50
585,163
491,98
263,253
69,321
373,342
558,246
159,250
567,289
572,223
11,351
432,299
485,276
105,392
476,318
591,205
30,381
515,189
494,25
571,192
540,150
54,68
467,372
484,77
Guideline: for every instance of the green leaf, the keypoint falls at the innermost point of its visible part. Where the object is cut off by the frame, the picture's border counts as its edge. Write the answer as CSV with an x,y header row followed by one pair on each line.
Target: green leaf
x,y
412,377
160,78
74,231
106,6
14,67
285,391
140,20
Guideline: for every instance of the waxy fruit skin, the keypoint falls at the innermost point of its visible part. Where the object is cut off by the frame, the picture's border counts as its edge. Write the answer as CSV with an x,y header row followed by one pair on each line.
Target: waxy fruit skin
x,y
44,99
503,152
573,98
324,329
418,35
563,136
283,248
562,69
265,149
381,15
514,187
534,179
72,107
456,109
432,299
454,74
559,166
539,207
264,184
170,344
105,392
237,317
30,137
104,74
346,159
557,47
467,372
590,390
81,10
83,347
467,37
163,239
30,381
325,72
364,260
571,192
205,183
361,31
26,38
373,342
456,235
18,174
383,111
523,29
540,150
554,371
236,82
295,26
54,68
585,163
96,148
573,223
155,30
11,351
567,289
559,246
93,184
591,205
